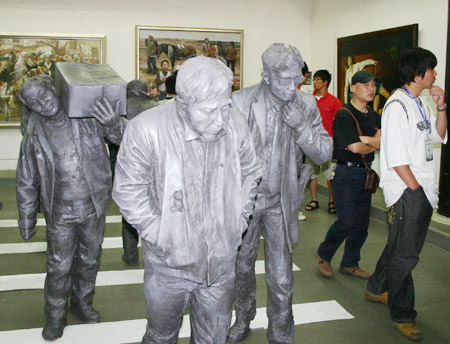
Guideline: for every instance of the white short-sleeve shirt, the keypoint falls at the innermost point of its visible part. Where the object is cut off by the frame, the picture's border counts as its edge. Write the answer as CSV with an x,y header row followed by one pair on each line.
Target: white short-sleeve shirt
x,y
403,135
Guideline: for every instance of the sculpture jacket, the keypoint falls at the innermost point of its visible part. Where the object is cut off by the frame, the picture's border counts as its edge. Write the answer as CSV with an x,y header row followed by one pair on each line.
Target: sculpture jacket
x,y
35,177
311,140
188,199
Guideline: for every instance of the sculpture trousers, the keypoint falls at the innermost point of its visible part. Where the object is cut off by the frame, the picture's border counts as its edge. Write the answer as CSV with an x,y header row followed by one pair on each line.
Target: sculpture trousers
x,y
74,242
410,220
130,239
279,276
167,298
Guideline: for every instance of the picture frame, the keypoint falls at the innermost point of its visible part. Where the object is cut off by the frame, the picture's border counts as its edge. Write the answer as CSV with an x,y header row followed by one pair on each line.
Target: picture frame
x,y
377,52
176,44
24,55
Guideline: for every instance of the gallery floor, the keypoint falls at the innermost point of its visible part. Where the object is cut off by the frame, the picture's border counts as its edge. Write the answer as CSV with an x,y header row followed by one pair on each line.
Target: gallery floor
x,y
119,294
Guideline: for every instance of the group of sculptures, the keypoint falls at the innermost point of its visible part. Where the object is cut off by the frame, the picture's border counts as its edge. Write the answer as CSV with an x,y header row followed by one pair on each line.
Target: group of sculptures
x,y
198,178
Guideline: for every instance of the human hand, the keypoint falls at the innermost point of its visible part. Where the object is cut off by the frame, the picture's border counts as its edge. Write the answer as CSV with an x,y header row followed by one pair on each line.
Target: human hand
x,y
437,94
27,233
104,113
292,116
364,139
378,133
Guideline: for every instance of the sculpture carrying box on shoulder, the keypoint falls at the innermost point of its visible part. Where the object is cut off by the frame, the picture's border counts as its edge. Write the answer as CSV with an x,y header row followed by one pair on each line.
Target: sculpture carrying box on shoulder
x,y
79,85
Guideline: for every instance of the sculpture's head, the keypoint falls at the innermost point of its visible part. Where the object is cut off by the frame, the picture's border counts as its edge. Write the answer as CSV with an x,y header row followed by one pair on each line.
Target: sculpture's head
x,y
282,70
204,94
39,95
137,88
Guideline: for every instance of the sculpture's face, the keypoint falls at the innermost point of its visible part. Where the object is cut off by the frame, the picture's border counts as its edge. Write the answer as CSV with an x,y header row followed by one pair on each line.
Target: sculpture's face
x,y
283,84
209,116
42,99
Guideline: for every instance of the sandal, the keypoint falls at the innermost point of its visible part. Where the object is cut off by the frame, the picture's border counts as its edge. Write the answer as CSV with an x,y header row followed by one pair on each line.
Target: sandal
x,y
313,205
331,208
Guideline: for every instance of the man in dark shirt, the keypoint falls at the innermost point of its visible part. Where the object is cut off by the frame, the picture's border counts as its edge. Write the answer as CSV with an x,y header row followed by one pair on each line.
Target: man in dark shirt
x,y
352,202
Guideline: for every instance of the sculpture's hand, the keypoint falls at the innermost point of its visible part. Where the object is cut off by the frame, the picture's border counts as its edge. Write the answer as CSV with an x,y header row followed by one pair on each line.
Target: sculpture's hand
x,y
27,233
292,116
104,112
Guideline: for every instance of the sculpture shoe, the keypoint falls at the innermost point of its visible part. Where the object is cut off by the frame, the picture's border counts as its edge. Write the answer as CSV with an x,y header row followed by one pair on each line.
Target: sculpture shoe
x,y
381,298
238,332
324,267
357,272
53,329
131,261
86,314
409,330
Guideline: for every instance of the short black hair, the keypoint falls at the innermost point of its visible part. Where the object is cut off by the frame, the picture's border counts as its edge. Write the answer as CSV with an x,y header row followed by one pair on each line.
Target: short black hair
x,y
305,68
415,61
165,61
324,75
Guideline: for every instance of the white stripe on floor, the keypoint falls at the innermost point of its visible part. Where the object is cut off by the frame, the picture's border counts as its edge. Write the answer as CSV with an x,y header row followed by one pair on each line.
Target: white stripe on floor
x,y
104,278
41,246
130,331
41,221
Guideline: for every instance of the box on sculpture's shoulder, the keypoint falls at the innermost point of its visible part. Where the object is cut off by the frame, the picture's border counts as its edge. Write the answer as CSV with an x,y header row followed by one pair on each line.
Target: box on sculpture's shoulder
x,y
80,84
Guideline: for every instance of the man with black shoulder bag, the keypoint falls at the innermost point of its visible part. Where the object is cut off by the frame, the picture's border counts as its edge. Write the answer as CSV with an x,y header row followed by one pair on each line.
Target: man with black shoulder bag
x,y
356,137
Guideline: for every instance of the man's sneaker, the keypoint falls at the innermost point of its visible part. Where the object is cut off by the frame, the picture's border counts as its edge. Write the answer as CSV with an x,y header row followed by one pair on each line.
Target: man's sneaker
x,y
409,330
382,298
324,267
301,216
238,332
357,272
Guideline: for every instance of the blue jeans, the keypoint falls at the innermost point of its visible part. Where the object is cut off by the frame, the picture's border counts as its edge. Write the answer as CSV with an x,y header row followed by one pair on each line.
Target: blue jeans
x,y
410,220
353,211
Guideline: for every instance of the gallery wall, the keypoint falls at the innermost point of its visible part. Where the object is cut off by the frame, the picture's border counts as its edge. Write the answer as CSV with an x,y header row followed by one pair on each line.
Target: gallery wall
x,y
334,19
263,21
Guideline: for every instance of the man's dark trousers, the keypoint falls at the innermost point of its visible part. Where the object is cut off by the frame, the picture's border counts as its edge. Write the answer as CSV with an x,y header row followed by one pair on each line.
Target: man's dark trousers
x,y
407,232
353,212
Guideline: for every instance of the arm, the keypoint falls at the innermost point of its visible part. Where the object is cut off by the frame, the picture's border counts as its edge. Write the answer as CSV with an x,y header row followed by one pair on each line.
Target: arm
x,y
250,174
113,125
304,117
437,94
27,190
134,188
361,148
405,174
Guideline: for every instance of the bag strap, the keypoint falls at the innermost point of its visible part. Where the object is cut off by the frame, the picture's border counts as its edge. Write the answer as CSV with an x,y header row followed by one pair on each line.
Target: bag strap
x,y
356,121
359,130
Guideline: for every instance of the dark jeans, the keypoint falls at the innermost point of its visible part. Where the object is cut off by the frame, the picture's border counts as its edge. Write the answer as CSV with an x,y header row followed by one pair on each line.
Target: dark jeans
x,y
407,231
231,64
353,211
151,65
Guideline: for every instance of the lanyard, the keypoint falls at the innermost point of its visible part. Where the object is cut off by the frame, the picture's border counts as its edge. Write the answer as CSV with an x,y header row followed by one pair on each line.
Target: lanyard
x,y
427,123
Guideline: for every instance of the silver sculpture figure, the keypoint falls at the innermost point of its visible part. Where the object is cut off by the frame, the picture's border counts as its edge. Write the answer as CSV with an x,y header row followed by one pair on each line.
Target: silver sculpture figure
x,y
63,169
285,125
138,100
186,177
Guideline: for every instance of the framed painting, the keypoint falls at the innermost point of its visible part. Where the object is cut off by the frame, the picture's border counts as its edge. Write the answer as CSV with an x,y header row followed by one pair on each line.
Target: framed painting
x,y
377,52
174,45
23,56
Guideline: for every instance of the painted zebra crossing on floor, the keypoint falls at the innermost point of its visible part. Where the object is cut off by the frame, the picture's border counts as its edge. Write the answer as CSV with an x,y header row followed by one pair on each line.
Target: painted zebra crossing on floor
x,y
130,331
104,278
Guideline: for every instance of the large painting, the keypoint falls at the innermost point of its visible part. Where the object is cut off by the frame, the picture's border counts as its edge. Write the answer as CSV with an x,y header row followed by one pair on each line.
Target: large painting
x,y
377,52
23,56
155,45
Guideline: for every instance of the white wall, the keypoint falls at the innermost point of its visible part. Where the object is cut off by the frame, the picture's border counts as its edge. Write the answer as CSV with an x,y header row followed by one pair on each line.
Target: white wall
x,y
263,21
332,19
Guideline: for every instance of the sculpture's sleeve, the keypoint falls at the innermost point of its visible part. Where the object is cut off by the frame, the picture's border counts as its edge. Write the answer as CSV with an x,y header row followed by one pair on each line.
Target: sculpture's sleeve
x,y
312,138
134,188
27,186
251,174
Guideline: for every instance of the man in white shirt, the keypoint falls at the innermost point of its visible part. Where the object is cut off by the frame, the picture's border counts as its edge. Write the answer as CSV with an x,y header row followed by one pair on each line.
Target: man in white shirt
x,y
407,177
